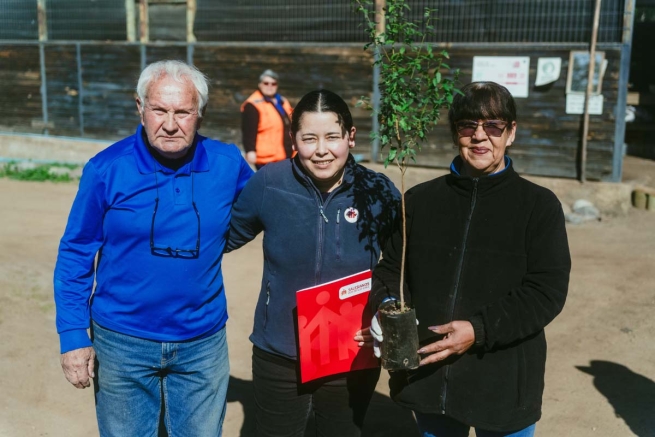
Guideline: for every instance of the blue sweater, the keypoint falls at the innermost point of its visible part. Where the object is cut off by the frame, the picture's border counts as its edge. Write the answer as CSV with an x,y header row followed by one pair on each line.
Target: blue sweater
x,y
140,292
308,241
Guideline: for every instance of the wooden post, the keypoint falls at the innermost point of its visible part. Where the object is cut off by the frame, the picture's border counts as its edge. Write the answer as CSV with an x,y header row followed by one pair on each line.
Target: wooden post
x,y
380,24
590,84
130,20
144,27
191,8
43,20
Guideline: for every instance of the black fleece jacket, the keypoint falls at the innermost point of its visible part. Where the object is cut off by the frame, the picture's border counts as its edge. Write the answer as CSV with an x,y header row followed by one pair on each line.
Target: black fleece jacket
x,y
494,251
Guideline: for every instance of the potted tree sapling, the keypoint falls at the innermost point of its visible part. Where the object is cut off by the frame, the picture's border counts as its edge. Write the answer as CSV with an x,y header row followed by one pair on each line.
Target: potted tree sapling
x,y
415,85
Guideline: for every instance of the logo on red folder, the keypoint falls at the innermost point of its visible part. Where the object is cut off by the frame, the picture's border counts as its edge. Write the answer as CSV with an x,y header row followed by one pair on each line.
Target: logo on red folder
x,y
355,289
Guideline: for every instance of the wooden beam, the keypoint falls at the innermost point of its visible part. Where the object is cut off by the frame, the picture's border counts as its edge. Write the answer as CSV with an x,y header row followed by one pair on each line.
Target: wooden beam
x,y
130,20
144,27
380,24
590,84
191,8
43,20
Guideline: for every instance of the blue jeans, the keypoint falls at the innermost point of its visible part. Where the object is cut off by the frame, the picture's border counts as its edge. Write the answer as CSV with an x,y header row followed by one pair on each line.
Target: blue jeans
x,y
141,383
438,425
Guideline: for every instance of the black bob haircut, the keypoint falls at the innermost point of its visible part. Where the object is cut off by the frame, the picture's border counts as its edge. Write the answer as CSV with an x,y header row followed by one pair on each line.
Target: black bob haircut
x,y
482,101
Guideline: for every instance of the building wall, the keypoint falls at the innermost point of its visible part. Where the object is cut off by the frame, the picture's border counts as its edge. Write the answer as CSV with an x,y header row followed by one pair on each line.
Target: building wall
x,y
547,138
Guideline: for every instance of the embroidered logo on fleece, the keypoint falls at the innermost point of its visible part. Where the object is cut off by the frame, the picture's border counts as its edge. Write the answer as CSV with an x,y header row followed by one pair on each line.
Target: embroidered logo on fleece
x,y
351,214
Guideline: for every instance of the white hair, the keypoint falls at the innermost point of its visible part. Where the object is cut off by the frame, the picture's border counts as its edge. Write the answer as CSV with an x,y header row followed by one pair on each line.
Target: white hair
x,y
270,73
178,71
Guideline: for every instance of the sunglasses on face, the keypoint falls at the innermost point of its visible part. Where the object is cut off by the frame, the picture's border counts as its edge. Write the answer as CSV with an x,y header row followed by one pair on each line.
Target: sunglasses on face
x,y
270,83
493,128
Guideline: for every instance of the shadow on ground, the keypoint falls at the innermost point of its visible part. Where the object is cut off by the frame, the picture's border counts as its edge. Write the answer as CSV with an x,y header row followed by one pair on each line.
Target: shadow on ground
x,y
384,417
630,393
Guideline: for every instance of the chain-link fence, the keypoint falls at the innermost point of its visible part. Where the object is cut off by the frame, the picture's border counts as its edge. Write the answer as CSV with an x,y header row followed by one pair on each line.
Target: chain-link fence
x,y
278,20
86,19
468,21
550,21
18,20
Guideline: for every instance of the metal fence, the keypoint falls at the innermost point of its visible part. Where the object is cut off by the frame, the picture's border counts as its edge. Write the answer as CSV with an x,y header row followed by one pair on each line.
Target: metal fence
x,y
468,21
279,20
18,20
542,21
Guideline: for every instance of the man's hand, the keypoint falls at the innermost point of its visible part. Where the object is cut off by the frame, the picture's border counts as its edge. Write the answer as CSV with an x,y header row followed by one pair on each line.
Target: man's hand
x,y
251,157
459,337
78,366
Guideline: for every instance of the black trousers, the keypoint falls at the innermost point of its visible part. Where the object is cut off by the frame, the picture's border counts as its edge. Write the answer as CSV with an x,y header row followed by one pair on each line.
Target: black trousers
x,y
334,406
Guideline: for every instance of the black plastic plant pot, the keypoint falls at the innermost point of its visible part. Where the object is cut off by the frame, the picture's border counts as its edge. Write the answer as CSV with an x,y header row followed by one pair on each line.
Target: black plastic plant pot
x,y
400,340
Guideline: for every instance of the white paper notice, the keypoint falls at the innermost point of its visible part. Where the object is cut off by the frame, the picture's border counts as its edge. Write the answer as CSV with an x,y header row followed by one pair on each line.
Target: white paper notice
x,y
512,72
548,70
575,104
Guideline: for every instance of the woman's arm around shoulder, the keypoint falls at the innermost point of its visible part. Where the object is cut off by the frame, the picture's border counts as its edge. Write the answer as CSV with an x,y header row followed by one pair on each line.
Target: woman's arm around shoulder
x,y
245,223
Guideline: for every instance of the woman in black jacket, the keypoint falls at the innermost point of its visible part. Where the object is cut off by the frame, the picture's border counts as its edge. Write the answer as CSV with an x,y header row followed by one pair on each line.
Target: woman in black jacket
x,y
487,269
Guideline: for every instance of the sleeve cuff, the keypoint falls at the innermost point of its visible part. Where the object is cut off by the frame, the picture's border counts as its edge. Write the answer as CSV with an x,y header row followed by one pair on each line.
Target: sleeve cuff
x,y
478,330
73,339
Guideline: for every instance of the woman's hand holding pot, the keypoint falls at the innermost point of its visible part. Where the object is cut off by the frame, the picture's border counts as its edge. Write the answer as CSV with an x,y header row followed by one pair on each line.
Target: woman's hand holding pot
x,y
458,338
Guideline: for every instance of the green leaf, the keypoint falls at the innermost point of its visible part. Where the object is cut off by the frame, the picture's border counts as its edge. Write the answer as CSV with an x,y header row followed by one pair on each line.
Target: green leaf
x,y
392,154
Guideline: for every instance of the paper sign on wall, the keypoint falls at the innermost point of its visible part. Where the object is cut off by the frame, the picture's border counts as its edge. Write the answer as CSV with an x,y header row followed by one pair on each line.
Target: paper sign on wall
x,y
512,72
575,104
548,70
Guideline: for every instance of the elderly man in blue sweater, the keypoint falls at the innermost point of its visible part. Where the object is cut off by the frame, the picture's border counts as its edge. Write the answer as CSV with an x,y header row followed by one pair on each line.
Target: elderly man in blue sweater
x,y
148,224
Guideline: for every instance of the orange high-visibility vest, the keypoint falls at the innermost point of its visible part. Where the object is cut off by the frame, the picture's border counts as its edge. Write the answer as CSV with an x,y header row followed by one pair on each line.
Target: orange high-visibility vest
x,y
270,130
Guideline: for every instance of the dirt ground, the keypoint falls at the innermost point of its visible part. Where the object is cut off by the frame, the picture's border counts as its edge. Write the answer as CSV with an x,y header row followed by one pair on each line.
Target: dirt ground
x,y
601,359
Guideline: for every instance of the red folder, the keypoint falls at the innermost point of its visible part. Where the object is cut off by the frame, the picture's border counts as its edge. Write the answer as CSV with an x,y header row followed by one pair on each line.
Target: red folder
x,y
329,315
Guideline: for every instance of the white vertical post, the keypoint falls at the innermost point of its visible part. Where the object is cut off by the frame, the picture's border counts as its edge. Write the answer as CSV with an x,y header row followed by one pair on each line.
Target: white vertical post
x,y
43,20
191,8
130,20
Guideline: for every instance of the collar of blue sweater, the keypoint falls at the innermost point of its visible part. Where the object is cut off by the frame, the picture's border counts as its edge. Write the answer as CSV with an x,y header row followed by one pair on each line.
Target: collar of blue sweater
x,y
196,160
458,162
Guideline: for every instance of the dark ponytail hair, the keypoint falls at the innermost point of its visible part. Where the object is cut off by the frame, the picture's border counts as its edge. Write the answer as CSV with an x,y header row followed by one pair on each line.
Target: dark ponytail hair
x,y
322,101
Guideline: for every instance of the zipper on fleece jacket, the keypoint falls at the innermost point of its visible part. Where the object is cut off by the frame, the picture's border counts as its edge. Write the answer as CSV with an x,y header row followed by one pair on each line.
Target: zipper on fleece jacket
x,y
338,236
322,218
459,277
